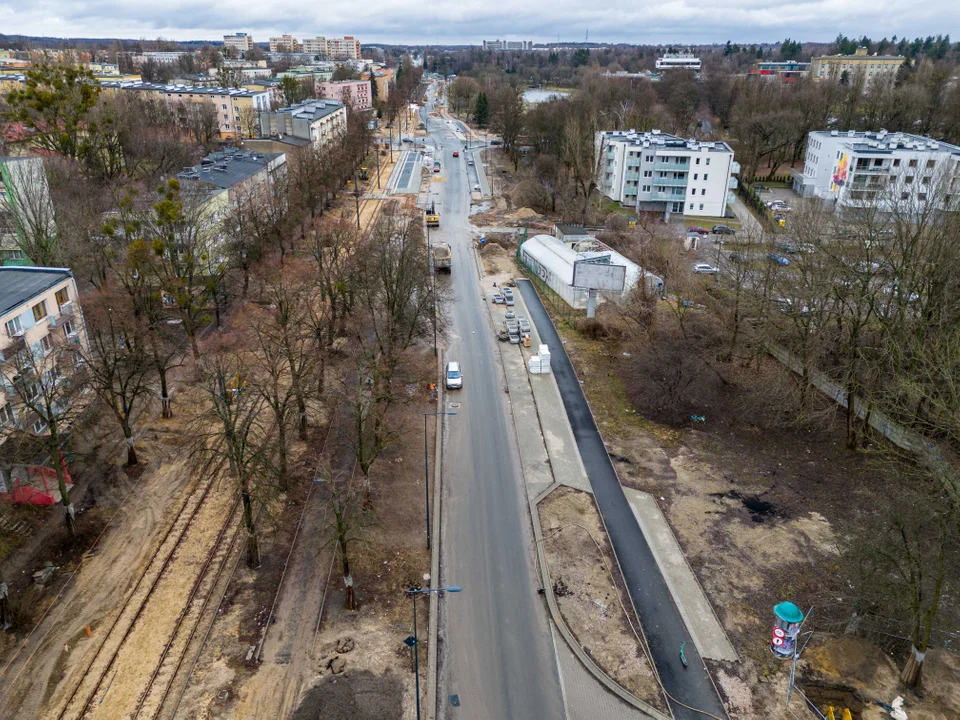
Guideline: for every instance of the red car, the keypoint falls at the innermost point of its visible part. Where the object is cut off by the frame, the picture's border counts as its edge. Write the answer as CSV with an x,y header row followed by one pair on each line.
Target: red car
x,y
456,154
698,230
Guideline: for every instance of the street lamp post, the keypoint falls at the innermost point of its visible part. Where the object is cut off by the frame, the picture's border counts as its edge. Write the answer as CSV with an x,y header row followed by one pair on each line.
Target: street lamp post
x,y
378,165
426,465
413,593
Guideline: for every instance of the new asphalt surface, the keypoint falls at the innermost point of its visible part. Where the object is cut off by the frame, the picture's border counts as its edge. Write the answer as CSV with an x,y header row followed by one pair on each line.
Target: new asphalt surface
x,y
662,623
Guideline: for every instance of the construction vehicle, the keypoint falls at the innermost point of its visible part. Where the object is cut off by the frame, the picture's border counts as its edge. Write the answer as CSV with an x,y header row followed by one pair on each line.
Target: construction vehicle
x,y
363,174
433,217
442,258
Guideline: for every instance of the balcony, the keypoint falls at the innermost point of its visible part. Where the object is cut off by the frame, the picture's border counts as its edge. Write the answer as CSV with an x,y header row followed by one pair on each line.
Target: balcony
x,y
873,170
670,182
675,166
732,185
65,315
632,176
669,196
735,168
15,344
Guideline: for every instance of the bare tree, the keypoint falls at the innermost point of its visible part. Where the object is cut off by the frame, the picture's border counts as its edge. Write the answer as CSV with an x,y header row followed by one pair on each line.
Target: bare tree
x,y
32,211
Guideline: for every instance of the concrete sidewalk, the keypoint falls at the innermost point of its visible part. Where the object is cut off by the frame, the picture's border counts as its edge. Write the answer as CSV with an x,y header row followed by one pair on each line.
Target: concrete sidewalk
x,y
705,629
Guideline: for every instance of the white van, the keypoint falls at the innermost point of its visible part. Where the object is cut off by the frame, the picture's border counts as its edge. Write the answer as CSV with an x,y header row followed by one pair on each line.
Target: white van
x,y
454,377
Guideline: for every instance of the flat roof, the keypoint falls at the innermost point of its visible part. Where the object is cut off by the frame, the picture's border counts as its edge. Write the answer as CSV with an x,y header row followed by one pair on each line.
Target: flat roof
x,y
19,285
226,168
660,140
180,89
312,110
881,141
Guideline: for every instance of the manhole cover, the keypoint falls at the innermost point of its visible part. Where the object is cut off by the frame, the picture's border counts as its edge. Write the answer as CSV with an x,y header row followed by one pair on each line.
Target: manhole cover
x,y
455,700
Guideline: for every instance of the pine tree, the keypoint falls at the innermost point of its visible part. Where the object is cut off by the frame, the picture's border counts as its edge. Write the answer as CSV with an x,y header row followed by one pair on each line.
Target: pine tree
x,y
481,113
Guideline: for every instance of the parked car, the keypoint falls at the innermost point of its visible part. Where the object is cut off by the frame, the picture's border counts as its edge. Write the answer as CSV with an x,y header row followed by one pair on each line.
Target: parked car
x,y
778,259
497,299
509,300
723,230
705,269
454,377
469,161
779,206
476,189
698,230
510,315
507,292
495,141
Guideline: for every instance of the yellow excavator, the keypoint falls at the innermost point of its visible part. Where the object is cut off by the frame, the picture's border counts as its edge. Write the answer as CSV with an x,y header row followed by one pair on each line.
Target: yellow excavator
x,y
433,217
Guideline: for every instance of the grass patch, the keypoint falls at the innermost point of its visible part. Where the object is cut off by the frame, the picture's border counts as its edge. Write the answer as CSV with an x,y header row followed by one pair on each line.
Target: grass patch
x,y
709,222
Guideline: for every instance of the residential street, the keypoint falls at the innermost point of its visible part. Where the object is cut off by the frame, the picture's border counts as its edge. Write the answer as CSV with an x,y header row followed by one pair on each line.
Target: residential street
x,y
497,655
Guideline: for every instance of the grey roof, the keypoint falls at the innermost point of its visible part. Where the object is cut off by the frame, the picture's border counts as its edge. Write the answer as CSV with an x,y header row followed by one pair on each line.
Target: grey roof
x,y
229,167
665,141
18,285
882,141
312,110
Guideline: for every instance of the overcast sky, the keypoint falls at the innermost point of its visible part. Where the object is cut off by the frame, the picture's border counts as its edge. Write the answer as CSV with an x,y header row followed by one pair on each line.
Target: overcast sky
x,y
470,21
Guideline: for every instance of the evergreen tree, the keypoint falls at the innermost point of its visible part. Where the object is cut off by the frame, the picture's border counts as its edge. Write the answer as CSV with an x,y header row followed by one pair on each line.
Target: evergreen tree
x,y
481,113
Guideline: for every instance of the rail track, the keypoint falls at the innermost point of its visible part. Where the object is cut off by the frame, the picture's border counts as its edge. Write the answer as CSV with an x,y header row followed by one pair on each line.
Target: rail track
x,y
96,678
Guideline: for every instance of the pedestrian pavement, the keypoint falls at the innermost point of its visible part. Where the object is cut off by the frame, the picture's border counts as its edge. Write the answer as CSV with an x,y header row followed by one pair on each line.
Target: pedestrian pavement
x,y
748,222
686,680
698,615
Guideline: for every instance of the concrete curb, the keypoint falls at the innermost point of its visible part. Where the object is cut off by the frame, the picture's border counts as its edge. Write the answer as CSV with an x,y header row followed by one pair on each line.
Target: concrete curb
x,y
552,606
433,630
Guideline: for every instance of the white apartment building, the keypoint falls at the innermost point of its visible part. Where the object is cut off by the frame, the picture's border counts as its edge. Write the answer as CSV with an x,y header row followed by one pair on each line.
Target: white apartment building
x,y
678,61
320,121
503,45
241,41
654,171
860,169
346,47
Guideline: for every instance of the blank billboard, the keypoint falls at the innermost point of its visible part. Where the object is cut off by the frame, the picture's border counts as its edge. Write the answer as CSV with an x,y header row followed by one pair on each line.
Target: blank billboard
x,y
599,276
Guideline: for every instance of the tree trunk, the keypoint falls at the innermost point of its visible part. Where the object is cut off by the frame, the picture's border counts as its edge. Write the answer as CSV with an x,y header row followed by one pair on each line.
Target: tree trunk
x,y
912,670
282,452
195,351
131,450
253,545
851,417
302,420
350,598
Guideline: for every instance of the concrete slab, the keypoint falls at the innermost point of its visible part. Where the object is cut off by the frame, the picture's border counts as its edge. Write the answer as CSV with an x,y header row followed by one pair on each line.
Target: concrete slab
x,y
702,623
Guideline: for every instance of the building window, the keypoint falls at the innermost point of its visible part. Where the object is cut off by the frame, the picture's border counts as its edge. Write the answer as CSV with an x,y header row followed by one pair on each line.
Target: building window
x,y
931,164
922,197
647,173
701,206
691,206
6,414
46,344
913,163
39,426
31,391
40,310
223,105
705,175
63,297
925,180
896,162
68,328
646,188
698,161
14,328
695,175
908,179
708,162
649,158
904,196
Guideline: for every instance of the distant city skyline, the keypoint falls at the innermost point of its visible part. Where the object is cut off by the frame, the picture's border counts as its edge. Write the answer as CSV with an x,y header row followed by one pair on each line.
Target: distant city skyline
x,y
471,22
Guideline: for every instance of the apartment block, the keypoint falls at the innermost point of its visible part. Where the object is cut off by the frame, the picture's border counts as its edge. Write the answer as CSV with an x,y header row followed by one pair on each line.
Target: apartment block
x,y
504,45
239,41
236,107
355,93
888,170
654,171
39,317
284,44
871,67
787,70
319,121
163,58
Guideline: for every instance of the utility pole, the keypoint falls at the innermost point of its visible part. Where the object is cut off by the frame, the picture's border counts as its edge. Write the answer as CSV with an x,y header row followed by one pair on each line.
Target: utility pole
x,y
413,642
377,151
356,195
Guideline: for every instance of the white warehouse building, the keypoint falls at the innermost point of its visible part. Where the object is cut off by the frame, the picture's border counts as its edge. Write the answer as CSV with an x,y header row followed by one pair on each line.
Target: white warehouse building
x,y
552,259
654,171
860,169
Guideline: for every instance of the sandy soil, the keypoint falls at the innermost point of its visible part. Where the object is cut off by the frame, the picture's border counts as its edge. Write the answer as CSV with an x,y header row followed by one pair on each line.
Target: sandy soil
x,y
60,642
587,595
758,515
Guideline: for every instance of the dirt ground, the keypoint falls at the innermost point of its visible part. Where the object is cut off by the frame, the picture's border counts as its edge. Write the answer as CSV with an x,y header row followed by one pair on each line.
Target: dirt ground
x,y
588,595
758,513
498,264
377,670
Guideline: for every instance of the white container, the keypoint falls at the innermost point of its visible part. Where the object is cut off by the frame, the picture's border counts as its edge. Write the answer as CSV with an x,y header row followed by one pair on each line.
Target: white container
x,y
534,365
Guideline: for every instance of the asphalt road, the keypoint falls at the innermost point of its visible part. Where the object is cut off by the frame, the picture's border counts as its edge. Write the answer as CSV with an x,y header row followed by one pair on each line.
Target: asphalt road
x,y
658,614
496,651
